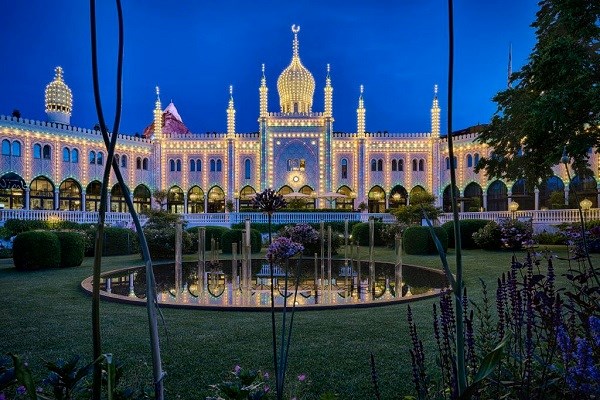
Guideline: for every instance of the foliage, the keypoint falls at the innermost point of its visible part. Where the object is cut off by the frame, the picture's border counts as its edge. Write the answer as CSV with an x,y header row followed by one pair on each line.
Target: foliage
x,y
362,206
360,234
229,205
421,197
160,234
474,204
231,236
553,102
489,237
573,236
309,236
549,238
556,200
467,228
268,201
71,248
516,234
282,249
418,240
160,197
16,226
259,226
211,232
390,231
421,206
35,250
245,384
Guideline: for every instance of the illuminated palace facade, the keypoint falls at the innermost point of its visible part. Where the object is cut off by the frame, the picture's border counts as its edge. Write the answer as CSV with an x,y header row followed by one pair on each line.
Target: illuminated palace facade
x,y
54,165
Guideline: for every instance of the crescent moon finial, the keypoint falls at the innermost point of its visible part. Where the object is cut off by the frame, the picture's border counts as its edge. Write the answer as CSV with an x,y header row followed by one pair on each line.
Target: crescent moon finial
x,y
295,29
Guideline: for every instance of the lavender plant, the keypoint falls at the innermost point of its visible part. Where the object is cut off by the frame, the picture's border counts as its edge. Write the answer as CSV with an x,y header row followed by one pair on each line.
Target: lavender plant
x,y
268,201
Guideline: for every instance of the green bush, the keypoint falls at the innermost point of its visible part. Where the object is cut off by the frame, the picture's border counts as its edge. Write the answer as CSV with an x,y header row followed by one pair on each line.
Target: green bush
x,y
119,241
72,247
6,253
489,237
36,250
235,236
360,234
16,226
211,232
261,227
467,228
418,240
550,238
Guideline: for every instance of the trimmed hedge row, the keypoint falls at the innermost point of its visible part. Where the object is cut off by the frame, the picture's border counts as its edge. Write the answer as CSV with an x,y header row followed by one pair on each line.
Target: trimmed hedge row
x,y
467,228
44,249
360,234
235,236
72,246
418,240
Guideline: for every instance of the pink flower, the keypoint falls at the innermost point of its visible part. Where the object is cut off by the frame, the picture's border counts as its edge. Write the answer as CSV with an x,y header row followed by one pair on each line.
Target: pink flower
x,y
237,369
267,388
266,375
302,377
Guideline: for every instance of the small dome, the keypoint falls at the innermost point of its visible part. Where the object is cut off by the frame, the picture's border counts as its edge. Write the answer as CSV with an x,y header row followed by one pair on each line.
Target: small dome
x,y
59,99
296,85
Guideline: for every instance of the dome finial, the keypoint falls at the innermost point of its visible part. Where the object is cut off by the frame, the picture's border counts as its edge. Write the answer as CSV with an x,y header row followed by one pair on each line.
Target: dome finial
x,y
295,30
58,74
157,93
328,69
263,69
362,89
231,91
435,89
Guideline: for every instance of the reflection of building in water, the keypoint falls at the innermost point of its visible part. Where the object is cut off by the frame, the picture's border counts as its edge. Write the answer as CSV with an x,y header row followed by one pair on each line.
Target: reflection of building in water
x,y
54,165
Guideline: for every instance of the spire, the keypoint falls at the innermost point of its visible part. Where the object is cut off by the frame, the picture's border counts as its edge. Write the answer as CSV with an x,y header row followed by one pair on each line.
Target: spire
x,y
435,114
231,115
158,116
157,104
328,95
296,44
263,92
360,113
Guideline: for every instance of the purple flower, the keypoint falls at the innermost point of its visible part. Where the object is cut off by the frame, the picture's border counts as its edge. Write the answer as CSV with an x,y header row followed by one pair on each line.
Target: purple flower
x,y
301,233
21,390
282,249
267,388
302,377
2,396
237,369
266,375
595,329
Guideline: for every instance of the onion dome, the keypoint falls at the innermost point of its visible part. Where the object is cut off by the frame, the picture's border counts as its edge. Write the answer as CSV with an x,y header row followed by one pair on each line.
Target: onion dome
x,y
296,85
58,99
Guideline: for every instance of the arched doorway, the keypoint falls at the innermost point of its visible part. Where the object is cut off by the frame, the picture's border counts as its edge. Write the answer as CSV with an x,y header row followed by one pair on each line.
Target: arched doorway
x,y
175,200
310,202
41,194
285,189
69,195
142,199
583,188
376,200
523,195
552,193
345,203
92,196
216,200
447,198
195,204
415,193
247,195
473,197
12,191
398,196
497,197
117,199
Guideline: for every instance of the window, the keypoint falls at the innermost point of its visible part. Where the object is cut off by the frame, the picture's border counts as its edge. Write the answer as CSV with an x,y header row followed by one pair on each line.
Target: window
x,y
123,161
192,165
448,162
92,157
74,156
16,148
247,169
394,165
213,166
5,148
46,152
469,161
476,161
401,165
172,165
66,154
37,151
373,165
145,164
100,158
117,158
219,165
138,163
344,168
198,165
380,165
421,165
414,164
178,165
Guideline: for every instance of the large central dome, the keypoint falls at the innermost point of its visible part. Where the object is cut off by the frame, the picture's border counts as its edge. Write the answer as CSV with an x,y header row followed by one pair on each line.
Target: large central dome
x,y
296,85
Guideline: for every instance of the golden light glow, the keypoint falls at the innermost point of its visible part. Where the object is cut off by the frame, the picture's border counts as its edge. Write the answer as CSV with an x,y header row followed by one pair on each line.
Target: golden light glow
x,y
58,96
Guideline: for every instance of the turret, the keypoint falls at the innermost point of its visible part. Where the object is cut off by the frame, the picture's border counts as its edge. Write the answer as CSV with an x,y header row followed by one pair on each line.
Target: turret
x,y
157,116
435,114
264,92
328,95
230,115
360,114
58,99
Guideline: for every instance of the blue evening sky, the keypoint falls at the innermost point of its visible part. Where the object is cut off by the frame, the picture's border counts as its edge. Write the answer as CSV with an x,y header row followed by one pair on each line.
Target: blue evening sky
x,y
195,49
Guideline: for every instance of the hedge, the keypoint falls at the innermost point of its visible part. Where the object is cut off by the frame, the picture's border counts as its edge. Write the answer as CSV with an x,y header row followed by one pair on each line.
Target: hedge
x,y
211,232
467,228
418,240
235,236
16,226
360,234
72,248
36,250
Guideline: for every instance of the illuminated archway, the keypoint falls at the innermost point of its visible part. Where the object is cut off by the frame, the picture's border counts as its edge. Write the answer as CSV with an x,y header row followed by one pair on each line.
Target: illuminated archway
x,y
175,200
41,194
195,203
376,199
69,195
142,199
216,200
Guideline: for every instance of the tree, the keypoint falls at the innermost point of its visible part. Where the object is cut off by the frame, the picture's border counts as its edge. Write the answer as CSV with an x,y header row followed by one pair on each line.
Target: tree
x,y
160,196
553,103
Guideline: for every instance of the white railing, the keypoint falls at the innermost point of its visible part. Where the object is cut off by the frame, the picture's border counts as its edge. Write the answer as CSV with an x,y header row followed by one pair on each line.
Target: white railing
x,y
544,217
80,217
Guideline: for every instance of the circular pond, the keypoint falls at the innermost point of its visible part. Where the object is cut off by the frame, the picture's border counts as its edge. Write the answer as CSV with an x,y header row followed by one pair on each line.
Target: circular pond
x,y
219,286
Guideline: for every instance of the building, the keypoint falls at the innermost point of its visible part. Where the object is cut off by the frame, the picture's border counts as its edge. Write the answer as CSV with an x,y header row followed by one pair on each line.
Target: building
x,y
54,165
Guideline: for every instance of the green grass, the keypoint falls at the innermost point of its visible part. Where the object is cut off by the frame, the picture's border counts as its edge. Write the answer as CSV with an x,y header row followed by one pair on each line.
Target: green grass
x,y
46,316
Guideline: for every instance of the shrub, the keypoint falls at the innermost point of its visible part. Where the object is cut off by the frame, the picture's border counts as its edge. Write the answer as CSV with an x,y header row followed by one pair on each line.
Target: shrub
x,y
16,226
119,241
72,247
516,234
160,234
418,240
550,238
389,232
231,236
468,227
360,234
35,250
6,253
489,237
215,232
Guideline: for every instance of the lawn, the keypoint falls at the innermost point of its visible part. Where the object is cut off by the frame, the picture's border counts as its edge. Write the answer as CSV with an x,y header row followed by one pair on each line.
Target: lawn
x,y
45,316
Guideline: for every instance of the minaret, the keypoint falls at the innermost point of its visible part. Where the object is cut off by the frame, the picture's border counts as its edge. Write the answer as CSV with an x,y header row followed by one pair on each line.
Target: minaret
x,y
262,126
435,114
360,113
158,167
157,116
58,99
328,95
230,115
264,92
361,166
328,114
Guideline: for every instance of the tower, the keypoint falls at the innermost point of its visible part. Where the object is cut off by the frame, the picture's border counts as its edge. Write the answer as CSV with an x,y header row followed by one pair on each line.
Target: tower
x,y
360,132
435,114
231,161
328,95
262,126
360,114
230,115
328,114
58,99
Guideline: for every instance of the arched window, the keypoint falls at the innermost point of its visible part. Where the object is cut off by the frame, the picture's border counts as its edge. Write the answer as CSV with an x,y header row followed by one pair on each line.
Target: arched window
x,y
414,164
138,163
469,161
99,158
219,165
198,165
455,162
192,165
213,166
124,161
5,148
145,164
421,165
46,152
247,169
178,165
172,165
380,165
373,165
75,156
344,168
447,162
394,165
476,159
401,164
16,148
37,151
92,157
117,158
